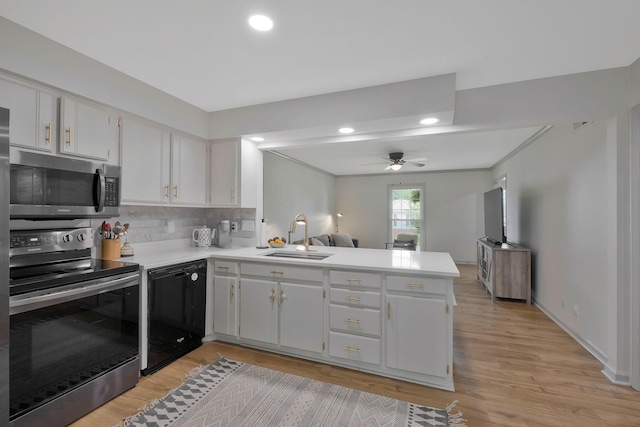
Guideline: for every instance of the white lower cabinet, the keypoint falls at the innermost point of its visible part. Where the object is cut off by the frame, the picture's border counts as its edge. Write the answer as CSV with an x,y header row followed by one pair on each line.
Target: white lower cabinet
x,y
225,296
395,325
259,310
416,331
280,309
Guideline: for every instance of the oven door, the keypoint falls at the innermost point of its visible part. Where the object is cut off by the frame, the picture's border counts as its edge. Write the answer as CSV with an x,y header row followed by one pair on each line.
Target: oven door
x,y
63,340
50,187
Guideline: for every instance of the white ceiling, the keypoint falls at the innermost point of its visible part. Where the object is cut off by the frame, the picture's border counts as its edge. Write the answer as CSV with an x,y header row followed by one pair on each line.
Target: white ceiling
x,y
203,52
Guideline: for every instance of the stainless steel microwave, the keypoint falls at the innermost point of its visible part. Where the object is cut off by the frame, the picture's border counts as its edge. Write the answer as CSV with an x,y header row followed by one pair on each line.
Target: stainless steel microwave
x,y
51,187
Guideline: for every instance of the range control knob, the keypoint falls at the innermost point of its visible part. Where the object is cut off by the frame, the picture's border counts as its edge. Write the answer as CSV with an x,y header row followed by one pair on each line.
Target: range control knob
x,y
67,238
81,237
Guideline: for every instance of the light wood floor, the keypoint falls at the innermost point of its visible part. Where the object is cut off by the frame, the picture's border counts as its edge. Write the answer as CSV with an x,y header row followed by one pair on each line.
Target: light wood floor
x,y
512,367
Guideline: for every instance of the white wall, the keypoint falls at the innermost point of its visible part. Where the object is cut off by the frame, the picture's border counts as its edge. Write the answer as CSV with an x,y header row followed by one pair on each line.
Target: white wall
x,y
557,194
31,55
453,209
290,189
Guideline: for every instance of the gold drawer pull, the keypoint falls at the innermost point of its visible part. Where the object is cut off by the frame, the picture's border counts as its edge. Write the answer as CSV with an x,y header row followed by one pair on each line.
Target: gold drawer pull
x,y
222,267
352,349
388,311
272,295
349,320
356,299
175,191
233,288
354,279
414,286
47,138
68,136
277,272
166,191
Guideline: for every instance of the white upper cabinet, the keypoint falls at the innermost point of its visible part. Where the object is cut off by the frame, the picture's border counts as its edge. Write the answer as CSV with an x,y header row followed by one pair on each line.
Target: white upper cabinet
x,y
146,163
189,170
33,115
88,130
235,167
161,168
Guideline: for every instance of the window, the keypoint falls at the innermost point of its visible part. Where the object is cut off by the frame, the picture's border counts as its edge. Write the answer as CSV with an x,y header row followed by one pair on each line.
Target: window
x,y
406,211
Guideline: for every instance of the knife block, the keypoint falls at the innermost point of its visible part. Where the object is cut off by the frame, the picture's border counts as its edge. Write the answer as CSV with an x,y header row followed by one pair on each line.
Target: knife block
x,y
110,248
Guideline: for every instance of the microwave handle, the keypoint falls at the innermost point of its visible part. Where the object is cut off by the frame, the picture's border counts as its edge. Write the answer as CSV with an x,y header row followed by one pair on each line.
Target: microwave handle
x,y
100,190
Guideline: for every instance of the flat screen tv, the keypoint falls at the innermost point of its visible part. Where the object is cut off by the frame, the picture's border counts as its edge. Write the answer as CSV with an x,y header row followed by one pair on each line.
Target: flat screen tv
x,y
493,216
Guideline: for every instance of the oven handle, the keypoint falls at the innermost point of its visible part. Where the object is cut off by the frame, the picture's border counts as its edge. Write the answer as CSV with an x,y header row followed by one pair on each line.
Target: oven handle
x,y
24,303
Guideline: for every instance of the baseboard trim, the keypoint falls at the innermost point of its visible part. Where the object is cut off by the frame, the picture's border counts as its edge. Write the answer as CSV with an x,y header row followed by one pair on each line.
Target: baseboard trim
x,y
619,378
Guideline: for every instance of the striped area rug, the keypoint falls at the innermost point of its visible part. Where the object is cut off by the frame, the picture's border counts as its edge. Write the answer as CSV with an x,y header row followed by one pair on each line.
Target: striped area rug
x,y
229,393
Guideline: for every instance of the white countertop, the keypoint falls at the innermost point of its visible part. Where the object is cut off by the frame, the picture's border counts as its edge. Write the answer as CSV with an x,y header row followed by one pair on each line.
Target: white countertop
x,y
401,261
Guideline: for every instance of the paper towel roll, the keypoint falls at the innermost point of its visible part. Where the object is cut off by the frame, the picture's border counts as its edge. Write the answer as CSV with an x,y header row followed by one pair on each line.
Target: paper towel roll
x,y
262,235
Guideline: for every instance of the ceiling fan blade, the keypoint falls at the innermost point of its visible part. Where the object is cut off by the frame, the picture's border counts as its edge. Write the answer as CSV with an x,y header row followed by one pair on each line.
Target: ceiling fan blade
x,y
417,159
420,165
387,168
378,163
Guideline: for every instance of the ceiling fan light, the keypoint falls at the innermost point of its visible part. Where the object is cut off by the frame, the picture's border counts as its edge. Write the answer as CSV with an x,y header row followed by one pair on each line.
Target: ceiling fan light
x,y
429,121
395,166
345,130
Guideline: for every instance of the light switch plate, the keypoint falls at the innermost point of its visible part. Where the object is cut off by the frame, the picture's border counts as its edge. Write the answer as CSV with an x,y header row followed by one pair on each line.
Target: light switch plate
x,y
248,225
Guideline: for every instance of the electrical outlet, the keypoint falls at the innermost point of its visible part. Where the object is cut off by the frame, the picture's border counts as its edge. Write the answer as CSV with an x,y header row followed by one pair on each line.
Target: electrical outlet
x,y
576,311
171,227
234,226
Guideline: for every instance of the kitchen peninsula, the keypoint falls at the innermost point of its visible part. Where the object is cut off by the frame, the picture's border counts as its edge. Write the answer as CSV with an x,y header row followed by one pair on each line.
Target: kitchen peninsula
x,y
388,312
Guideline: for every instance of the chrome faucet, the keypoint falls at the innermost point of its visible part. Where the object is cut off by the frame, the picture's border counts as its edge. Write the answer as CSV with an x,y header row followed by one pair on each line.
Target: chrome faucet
x,y
302,219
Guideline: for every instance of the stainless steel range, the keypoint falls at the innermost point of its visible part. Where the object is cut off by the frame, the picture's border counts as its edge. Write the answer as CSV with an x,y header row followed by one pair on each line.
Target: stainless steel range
x,y
73,327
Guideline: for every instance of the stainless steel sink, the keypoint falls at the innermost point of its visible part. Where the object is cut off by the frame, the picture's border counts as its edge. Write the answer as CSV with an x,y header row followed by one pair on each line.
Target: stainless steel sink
x,y
298,255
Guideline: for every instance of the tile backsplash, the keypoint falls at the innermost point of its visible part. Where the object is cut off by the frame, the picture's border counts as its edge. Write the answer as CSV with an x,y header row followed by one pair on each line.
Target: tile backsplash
x,y
160,223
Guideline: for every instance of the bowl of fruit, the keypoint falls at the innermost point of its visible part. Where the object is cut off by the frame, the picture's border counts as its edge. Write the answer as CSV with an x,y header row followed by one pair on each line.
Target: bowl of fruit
x,y
277,242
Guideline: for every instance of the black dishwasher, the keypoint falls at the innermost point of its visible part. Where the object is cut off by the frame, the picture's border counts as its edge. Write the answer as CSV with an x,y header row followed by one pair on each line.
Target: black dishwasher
x,y
176,312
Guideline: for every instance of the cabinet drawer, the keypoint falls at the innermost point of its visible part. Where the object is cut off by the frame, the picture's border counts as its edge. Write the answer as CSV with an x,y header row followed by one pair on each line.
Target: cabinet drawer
x,y
354,347
281,272
420,285
355,279
225,267
355,298
354,320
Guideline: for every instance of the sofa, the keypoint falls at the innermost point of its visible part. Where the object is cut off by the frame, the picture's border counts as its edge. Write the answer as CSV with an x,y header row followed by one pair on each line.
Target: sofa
x,y
335,239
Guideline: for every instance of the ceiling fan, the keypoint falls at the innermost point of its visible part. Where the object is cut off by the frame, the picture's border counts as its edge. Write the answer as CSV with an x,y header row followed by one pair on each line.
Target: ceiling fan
x,y
395,161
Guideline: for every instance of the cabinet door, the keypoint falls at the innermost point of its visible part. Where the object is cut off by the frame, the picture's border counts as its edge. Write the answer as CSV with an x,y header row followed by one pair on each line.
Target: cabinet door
x,y
224,305
224,172
189,171
259,310
417,338
301,316
24,118
88,131
146,167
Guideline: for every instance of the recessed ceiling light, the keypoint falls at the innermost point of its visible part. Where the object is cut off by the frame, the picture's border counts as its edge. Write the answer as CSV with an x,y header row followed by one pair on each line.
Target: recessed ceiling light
x,y
429,121
345,130
261,22
257,139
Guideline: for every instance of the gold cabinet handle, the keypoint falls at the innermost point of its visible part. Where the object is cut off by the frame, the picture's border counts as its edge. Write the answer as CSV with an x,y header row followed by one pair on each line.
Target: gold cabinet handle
x,y
166,191
47,138
233,195
222,267
272,295
277,272
414,286
349,320
388,311
352,349
175,191
233,288
68,136
353,299
354,279
283,296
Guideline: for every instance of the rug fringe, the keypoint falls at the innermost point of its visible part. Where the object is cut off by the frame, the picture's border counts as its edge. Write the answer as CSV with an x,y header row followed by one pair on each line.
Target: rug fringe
x,y
456,419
